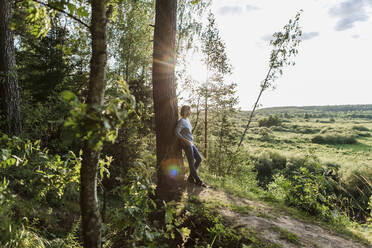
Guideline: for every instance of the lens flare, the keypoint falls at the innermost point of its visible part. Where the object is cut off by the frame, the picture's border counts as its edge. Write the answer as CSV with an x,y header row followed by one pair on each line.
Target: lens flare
x,y
171,168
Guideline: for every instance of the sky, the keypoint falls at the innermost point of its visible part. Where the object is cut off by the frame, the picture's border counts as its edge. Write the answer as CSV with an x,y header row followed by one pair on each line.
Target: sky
x,y
333,66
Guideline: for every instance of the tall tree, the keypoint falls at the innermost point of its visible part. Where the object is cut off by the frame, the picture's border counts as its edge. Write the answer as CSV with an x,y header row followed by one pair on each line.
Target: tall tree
x,y
168,151
97,81
217,64
9,95
285,45
130,38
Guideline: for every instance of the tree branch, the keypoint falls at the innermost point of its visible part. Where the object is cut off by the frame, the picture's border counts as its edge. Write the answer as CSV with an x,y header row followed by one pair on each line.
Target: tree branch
x,y
64,12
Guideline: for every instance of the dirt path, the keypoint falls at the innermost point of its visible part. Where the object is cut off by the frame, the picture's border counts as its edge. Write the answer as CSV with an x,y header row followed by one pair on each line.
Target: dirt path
x,y
265,221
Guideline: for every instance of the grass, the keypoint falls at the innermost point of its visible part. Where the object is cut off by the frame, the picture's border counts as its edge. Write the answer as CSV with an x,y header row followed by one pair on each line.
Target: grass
x,y
248,188
287,235
209,229
293,138
241,209
292,142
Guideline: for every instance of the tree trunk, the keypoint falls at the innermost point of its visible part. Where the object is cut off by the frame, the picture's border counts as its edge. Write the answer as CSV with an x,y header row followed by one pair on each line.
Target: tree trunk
x,y
88,189
195,126
9,94
170,170
206,123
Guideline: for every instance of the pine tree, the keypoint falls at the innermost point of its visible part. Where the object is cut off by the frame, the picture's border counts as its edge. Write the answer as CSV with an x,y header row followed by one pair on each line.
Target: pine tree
x,y
168,151
9,93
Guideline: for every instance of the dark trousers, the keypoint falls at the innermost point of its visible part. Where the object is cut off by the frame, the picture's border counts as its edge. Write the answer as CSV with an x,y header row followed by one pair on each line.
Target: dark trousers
x,y
194,159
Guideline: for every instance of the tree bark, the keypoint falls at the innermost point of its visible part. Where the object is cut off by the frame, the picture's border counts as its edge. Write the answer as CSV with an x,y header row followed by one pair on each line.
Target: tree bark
x,y
9,93
170,167
91,218
195,126
206,123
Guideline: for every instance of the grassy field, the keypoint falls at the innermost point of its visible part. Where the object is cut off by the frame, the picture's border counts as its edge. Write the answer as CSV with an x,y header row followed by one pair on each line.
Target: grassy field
x,y
294,137
340,142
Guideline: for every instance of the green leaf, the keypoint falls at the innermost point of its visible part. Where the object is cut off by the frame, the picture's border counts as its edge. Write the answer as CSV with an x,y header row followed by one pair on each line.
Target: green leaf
x,y
67,95
185,232
83,12
71,7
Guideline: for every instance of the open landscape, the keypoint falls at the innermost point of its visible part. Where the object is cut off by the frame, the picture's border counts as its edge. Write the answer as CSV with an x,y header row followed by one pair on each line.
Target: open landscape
x,y
140,124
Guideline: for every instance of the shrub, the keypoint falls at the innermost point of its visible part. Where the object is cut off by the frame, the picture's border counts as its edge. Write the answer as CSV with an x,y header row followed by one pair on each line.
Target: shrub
x,y
265,134
314,187
35,181
308,193
6,204
271,120
357,190
280,186
360,128
334,139
209,229
278,129
325,130
306,130
131,222
267,164
363,134
34,172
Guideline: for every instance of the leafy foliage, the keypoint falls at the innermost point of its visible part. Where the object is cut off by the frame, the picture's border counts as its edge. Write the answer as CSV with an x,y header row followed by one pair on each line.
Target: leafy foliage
x,y
31,175
314,187
271,120
87,125
333,139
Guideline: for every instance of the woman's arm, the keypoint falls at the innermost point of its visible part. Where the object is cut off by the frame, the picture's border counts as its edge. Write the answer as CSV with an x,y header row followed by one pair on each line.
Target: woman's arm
x,y
177,132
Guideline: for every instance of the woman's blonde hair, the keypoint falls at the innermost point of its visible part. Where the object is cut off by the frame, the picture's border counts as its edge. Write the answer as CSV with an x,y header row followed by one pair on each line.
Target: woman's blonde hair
x,y
184,108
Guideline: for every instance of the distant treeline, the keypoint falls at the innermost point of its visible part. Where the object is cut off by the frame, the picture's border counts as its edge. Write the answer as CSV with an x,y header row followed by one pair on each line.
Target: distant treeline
x,y
348,111
334,108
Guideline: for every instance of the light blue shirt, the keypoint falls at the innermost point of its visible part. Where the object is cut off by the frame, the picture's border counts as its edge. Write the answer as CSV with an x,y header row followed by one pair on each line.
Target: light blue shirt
x,y
184,129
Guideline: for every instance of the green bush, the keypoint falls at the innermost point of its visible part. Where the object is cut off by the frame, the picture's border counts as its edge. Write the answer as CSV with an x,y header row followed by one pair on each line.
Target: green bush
x,y
308,193
265,134
279,187
44,121
131,222
209,229
33,171
267,164
334,139
302,182
325,130
360,128
271,120
314,187
306,130
278,129
6,205
35,183
357,189
363,134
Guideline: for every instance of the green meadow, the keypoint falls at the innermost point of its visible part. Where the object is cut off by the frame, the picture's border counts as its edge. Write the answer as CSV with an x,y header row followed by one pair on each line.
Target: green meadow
x,y
294,136
327,149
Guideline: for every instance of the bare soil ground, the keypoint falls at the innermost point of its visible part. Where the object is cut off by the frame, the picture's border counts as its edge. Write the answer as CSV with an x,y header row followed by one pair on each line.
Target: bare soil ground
x,y
266,222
